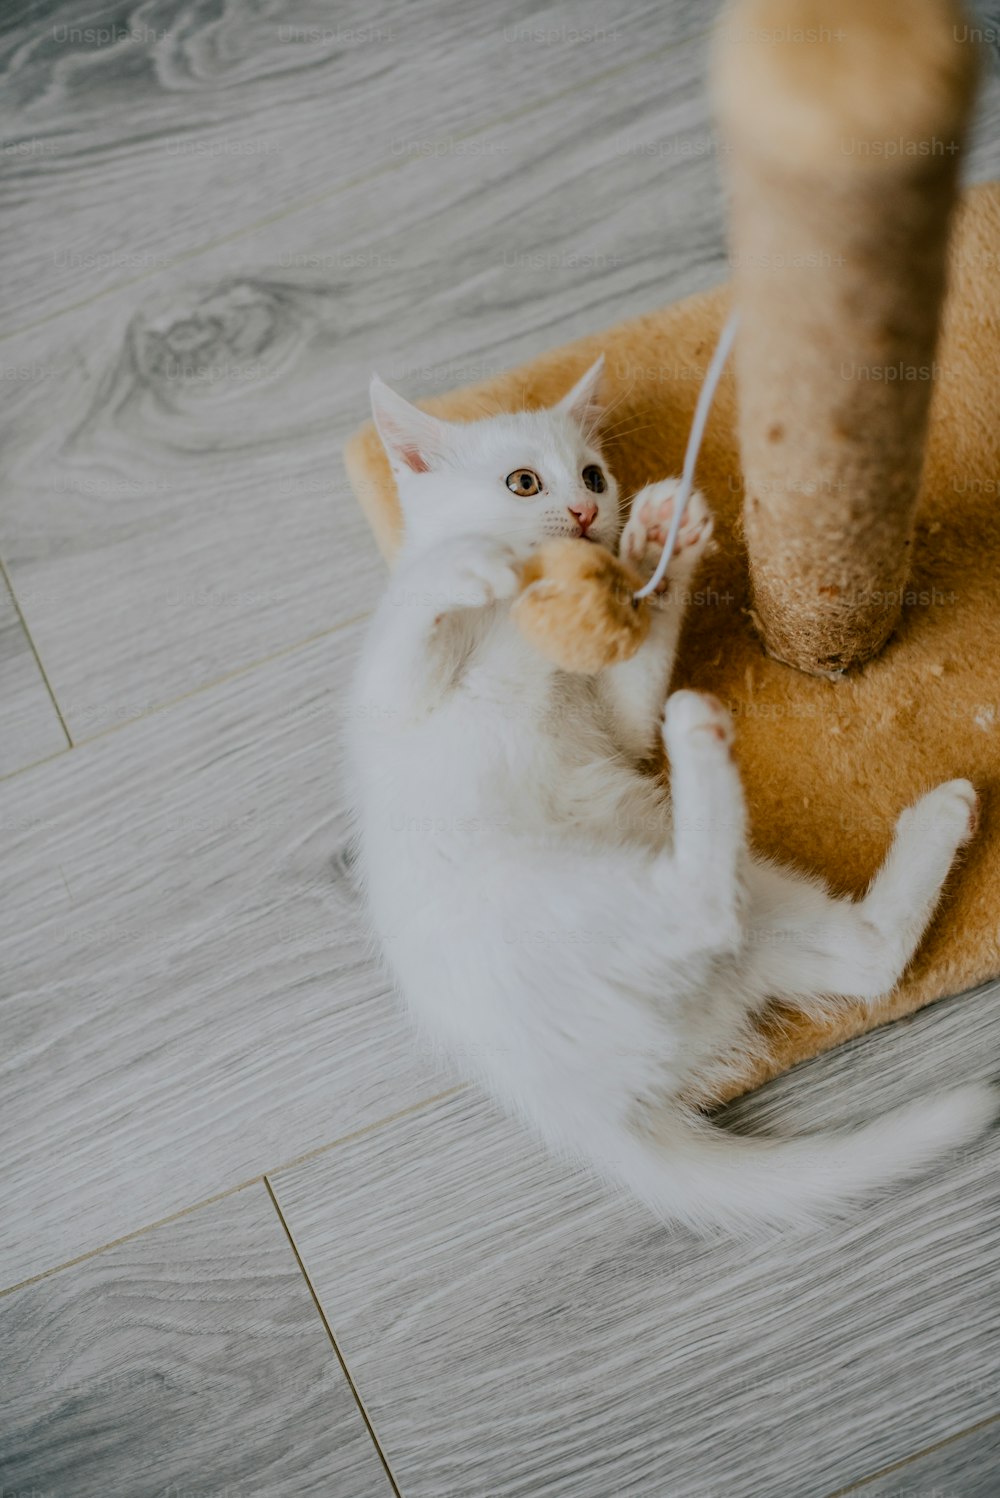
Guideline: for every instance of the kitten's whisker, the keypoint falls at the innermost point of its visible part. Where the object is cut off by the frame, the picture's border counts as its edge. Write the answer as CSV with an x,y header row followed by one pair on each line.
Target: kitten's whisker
x,y
617,434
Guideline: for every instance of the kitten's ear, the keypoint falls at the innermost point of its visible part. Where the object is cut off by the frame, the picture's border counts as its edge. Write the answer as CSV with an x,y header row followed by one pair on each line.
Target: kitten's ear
x,y
583,402
411,437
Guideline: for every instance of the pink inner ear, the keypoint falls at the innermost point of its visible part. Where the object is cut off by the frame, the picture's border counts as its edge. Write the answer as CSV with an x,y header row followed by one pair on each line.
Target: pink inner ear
x,y
414,460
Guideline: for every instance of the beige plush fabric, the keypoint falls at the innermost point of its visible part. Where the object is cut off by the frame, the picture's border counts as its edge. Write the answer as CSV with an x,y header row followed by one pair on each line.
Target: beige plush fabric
x,y
827,765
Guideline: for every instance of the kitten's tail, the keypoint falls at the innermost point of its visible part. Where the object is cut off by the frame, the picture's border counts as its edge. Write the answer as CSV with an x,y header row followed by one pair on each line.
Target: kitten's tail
x,y
707,1177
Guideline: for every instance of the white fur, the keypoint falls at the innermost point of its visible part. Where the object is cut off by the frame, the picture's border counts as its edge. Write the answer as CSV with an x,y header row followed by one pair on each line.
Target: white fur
x,y
593,956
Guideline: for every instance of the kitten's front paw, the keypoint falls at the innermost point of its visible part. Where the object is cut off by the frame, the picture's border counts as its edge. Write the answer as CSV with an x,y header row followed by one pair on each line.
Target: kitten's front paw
x,y
645,533
482,572
697,715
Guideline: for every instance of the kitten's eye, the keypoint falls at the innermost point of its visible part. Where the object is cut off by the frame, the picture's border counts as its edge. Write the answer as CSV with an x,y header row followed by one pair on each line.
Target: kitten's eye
x,y
524,483
594,479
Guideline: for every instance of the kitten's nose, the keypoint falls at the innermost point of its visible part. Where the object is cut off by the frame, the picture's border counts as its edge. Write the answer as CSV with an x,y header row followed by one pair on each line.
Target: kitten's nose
x,y
585,512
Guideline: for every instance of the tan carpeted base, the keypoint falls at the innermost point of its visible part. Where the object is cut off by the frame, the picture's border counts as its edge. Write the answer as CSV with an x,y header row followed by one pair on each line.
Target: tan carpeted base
x,y
827,765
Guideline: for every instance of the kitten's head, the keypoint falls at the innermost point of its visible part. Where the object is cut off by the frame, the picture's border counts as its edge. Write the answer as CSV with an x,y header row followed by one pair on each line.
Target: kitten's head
x,y
523,477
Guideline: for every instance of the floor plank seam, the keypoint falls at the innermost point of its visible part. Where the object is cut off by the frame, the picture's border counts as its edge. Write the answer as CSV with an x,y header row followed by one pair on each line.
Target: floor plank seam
x,y
312,201
172,702
34,764
149,1227
218,1196
381,1123
333,1341
5,576
906,1461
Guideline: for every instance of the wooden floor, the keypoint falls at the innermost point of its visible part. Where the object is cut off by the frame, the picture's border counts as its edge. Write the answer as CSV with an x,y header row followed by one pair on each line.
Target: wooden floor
x,y
252,1240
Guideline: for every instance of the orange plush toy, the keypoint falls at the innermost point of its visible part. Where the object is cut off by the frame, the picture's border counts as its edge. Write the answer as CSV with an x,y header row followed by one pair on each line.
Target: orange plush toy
x,y
578,606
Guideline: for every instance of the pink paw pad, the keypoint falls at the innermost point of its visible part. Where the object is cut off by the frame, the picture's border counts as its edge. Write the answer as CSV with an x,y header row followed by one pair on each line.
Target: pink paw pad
x,y
657,517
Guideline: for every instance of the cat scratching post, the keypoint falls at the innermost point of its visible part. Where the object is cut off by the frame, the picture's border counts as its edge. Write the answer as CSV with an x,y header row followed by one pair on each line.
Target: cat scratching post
x,y
827,766
842,125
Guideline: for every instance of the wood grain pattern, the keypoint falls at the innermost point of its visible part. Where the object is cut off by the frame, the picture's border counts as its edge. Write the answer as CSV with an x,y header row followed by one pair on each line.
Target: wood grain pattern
x,y
966,1467
515,1329
137,135
189,996
191,485
29,724
188,1361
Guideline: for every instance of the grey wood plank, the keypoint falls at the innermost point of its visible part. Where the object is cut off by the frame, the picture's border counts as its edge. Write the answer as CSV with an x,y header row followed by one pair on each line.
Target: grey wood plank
x,y
984,29
30,724
185,516
967,1467
128,153
515,1328
188,995
190,1360
135,136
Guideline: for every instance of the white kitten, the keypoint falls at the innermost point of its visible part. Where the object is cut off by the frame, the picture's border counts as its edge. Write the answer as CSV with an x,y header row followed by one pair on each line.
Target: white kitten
x,y
593,955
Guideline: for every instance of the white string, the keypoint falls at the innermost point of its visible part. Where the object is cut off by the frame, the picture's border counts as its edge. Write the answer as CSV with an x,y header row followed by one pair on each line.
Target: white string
x,y
701,410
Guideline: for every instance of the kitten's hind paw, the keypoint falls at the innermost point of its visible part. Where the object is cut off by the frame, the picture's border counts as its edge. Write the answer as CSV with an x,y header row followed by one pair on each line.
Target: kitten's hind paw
x,y
696,715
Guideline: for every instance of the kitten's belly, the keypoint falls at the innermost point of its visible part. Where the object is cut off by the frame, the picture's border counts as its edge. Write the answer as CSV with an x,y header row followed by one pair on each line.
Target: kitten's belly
x,y
520,967
508,905
448,798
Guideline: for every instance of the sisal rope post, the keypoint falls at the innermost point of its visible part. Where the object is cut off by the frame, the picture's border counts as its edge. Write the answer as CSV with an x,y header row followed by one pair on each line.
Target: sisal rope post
x,y
842,124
